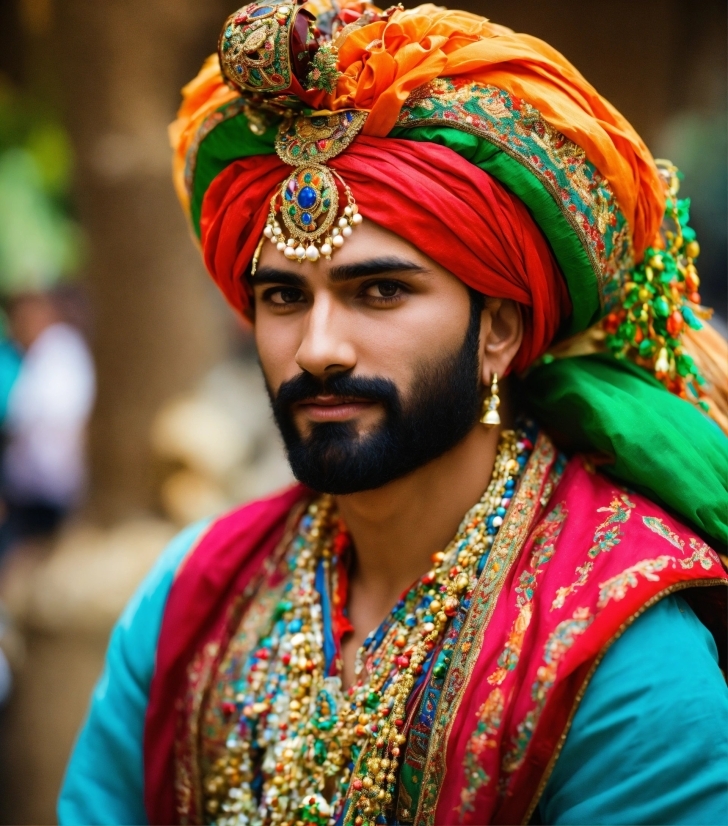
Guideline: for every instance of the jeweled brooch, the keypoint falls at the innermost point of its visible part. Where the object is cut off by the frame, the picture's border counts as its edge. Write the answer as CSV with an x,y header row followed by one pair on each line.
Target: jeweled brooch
x,y
308,201
271,52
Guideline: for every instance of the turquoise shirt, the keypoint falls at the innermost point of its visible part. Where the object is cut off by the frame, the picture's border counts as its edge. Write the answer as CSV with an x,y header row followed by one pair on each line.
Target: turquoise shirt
x,y
648,744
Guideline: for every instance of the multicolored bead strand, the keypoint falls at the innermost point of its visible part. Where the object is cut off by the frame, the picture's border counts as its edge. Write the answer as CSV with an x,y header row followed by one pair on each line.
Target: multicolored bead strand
x,y
303,751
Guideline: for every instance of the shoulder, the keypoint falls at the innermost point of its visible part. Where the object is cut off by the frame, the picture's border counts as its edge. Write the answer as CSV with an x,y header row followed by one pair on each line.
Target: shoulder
x,y
657,686
613,531
111,790
602,552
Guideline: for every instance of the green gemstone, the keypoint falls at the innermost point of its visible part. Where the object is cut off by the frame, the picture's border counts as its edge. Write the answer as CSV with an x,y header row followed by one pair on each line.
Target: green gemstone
x,y
291,210
372,701
662,308
319,752
307,178
646,348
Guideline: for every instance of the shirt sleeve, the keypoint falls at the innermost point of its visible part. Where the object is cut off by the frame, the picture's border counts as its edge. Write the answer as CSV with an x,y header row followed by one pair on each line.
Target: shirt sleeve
x,y
649,742
104,782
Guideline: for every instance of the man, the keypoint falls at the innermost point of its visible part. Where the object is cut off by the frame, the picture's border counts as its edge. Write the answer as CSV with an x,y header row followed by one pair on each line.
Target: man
x,y
449,621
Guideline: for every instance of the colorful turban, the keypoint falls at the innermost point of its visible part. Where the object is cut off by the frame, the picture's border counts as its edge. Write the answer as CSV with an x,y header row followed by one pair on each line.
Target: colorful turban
x,y
460,217
490,153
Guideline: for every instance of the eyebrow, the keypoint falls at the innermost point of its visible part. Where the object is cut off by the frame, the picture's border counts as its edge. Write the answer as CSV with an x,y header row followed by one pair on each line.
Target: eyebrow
x,y
271,275
341,273
374,266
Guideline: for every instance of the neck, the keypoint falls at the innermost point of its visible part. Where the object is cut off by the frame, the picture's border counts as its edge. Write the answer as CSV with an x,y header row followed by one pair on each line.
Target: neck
x,y
396,529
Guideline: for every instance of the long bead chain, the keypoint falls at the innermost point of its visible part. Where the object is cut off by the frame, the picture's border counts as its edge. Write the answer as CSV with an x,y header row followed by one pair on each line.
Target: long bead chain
x,y
301,744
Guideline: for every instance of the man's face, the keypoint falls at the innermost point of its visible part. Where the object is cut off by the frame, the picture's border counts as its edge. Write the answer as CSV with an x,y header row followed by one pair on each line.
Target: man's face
x,y
371,359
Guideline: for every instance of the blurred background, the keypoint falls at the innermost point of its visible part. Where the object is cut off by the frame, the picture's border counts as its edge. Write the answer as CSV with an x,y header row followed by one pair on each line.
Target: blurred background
x,y
130,400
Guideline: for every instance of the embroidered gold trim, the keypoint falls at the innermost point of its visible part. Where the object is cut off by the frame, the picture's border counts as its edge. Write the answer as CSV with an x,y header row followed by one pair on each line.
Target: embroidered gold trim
x,y
503,555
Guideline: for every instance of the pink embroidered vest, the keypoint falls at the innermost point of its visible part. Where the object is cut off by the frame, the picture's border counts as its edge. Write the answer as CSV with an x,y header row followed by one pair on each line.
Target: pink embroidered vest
x,y
576,561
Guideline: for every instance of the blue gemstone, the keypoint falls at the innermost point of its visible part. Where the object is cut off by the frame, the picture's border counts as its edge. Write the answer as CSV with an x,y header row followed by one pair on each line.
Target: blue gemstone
x,y
500,511
306,218
260,12
307,197
294,626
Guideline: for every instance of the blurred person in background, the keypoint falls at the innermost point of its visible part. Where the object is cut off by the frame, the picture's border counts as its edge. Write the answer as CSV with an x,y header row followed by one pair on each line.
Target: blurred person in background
x,y
451,619
44,460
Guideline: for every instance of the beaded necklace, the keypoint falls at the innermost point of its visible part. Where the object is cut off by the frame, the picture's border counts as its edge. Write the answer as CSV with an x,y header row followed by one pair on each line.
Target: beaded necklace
x,y
303,751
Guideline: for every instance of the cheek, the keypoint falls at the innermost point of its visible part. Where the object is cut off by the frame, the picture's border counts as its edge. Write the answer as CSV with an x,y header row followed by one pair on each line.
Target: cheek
x,y
396,345
277,341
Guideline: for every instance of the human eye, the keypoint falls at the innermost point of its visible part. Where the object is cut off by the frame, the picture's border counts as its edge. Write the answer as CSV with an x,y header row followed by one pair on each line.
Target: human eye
x,y
283,296
383,292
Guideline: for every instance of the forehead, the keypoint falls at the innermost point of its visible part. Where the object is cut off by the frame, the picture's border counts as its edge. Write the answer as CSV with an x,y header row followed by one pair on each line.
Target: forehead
x,y
367,241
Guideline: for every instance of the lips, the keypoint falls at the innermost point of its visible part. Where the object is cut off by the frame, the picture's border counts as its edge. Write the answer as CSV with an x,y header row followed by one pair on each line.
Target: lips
x,y
333,408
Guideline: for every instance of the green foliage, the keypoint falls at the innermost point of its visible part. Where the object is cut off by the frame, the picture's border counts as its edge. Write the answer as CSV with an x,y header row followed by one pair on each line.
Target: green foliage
x,y
40,243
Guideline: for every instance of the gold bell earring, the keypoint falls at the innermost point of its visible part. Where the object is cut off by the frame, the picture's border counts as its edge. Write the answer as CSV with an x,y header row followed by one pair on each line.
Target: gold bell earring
x,y
490,416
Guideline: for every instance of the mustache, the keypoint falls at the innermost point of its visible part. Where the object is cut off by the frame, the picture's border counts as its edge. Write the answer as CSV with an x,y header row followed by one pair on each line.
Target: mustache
x,y
306,386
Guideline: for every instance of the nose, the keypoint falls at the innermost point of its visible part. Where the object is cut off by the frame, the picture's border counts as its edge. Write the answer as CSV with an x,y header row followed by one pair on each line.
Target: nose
x,y
326,346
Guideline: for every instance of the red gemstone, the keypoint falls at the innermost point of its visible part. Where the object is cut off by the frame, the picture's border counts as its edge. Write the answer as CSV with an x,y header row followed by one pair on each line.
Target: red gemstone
x,y
302,47
402,662
357,784
228,708
675,323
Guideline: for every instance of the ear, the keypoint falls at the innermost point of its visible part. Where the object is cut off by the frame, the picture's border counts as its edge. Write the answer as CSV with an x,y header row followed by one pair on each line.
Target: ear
x,y
501,334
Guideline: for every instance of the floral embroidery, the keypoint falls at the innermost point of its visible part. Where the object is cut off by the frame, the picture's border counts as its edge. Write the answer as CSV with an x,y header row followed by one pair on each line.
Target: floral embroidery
x,y
583,572
701,554
490,715
581,192
607,536
557,646
544,545
616,588
656,525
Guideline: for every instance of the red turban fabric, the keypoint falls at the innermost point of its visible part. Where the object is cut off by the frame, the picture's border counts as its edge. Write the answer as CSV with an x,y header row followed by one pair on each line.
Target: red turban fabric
x,y
445,206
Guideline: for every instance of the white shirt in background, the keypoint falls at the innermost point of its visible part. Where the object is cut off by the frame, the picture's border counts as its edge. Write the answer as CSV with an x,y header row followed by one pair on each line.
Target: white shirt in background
x,y
48,411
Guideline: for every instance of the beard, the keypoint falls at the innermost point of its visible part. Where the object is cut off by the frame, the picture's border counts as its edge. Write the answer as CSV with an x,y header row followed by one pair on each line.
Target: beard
x,y
441,408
